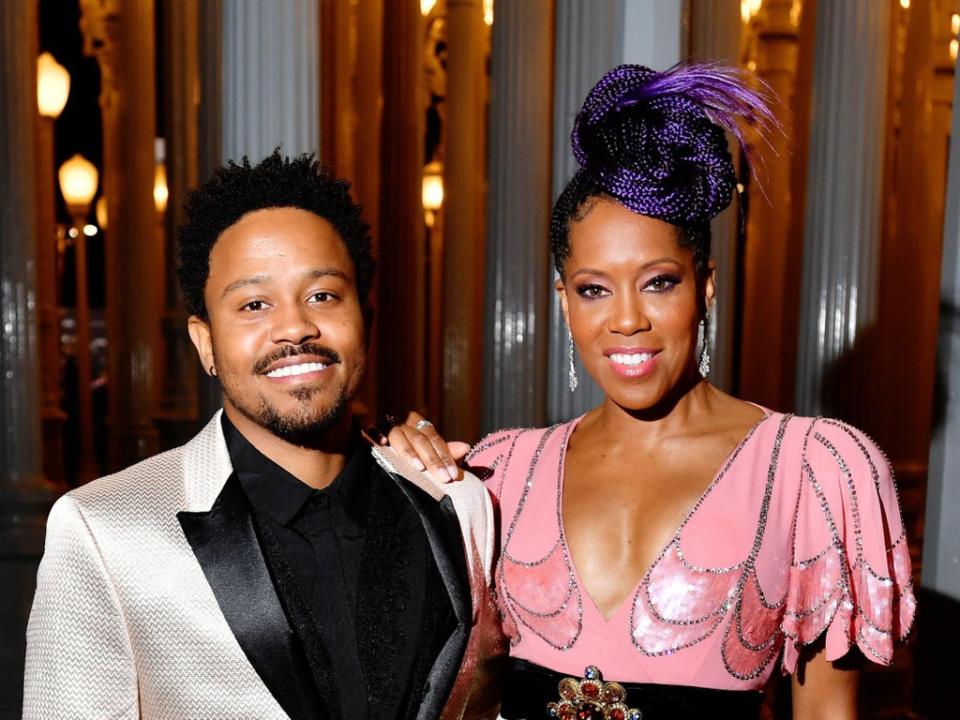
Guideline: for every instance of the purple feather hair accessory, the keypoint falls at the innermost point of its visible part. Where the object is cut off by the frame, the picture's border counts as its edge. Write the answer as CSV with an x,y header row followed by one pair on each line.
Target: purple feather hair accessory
x,y
656,141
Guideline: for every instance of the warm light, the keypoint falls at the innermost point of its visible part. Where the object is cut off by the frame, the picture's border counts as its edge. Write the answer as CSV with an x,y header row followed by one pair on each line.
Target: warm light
x,y
755,6
954,47
160,191
745,11
53,86
752,66
78,182
905,4
426,6
73,232
955,23
101,212
488,12
89,230
432,194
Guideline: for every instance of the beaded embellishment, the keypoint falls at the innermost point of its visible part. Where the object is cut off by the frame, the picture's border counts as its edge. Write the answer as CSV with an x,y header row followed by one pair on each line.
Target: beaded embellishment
x,y
591,699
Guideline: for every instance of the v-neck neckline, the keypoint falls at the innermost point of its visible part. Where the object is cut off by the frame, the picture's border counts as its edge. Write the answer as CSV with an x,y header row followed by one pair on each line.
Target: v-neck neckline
x,y
723,469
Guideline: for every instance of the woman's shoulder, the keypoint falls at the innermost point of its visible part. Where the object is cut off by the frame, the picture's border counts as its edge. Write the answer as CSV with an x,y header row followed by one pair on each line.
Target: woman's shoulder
x,y
496,457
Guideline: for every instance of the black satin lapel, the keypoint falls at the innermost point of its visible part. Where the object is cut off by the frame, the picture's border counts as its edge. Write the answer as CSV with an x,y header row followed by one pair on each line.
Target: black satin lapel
x,y
225,544
442,527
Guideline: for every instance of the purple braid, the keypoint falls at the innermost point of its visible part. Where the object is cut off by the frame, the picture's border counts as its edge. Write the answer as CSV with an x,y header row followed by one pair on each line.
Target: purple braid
x,y
655,141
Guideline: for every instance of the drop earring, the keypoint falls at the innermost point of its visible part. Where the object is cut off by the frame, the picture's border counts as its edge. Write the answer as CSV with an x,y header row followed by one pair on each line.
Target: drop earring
x,y
705,350
572,370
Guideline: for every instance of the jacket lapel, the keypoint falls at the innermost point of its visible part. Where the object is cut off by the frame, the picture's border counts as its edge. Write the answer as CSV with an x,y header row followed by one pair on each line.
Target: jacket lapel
x,y
443,532
224,541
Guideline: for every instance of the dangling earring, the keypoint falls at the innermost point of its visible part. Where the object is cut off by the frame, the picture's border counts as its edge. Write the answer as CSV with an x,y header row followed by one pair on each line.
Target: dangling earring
x,y
213,371
705,350
572,371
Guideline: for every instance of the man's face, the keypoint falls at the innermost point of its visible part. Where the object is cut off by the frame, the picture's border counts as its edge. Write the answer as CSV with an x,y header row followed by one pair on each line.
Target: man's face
x,y
286,329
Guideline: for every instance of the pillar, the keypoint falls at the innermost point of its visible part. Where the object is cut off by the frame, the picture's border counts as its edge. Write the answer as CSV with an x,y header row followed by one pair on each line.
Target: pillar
x,y
518,267
402,283
463,222
24,495
843,203
122,37
260,89
271,86
591,38
937,631
770,259
715,29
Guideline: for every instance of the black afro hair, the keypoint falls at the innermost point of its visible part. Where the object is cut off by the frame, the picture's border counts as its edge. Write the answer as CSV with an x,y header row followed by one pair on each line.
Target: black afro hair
x,y
276,182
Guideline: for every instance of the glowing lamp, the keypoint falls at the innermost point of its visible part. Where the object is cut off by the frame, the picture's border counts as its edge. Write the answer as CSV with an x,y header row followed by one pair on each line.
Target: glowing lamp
x,y
78,183
432,193
954,46
426,6
101,212
488,12
905,4
160,190
955,23
53,86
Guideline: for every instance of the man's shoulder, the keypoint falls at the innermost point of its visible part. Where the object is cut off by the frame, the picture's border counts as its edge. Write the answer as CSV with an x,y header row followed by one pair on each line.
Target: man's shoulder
x,y
156,479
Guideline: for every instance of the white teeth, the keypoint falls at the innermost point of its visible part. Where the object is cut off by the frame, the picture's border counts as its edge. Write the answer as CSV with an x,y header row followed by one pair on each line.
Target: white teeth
x,y
630,358
291,370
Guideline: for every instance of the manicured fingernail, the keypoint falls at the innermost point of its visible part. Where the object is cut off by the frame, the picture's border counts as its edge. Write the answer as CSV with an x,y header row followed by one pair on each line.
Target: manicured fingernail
x,y
453,471
418,464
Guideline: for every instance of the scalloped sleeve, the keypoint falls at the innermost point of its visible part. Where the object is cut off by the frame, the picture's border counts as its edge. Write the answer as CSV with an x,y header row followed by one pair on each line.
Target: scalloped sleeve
x,y
490,458
850,572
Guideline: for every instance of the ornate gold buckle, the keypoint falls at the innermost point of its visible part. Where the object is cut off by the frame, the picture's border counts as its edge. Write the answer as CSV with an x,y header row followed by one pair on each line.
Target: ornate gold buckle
x,y
591,699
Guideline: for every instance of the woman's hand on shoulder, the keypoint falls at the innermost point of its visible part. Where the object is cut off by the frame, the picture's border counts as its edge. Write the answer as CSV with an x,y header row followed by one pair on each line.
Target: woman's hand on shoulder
x,y
416,439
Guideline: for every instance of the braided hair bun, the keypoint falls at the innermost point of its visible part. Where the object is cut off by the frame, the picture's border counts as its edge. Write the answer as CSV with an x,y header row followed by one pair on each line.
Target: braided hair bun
x,y
656,143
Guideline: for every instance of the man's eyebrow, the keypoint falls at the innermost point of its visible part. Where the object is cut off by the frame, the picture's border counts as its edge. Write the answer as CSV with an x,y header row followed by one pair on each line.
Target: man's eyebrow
x,y
263,279
327,272
244,282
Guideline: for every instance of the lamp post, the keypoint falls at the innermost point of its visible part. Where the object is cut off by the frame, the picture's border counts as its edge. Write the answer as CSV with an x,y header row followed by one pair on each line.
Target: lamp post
x,y
53,89
78,183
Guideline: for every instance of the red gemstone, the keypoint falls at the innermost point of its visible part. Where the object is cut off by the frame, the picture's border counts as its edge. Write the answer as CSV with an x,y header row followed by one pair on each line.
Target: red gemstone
x,y
590,689
617,714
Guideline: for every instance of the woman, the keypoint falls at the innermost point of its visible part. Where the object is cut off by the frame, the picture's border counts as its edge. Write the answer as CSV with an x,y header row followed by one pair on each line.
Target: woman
x,y
676,538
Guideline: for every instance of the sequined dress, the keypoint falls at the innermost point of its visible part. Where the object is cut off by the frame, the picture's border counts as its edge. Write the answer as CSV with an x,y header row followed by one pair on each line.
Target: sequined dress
x,y
799,534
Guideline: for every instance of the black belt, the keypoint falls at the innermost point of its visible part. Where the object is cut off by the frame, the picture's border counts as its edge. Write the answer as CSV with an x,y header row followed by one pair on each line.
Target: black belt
x,y
528,688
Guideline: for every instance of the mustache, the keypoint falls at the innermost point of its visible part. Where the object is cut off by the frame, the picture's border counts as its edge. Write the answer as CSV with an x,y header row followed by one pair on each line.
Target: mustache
x,y
315,349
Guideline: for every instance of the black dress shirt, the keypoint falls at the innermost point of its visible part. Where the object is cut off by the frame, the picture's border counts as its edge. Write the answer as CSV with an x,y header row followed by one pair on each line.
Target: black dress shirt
x,y
322,536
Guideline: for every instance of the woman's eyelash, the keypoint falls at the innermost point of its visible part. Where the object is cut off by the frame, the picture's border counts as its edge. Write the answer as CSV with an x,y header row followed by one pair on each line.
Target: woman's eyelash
x,y
589,291
666,282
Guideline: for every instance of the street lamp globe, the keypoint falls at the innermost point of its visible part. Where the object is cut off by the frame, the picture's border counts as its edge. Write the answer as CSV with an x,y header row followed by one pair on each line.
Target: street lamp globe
x,y
78,183
53,86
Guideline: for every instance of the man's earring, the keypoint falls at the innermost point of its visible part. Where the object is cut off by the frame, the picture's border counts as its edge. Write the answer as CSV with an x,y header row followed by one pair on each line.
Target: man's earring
x,y
572,371
705,350
213,371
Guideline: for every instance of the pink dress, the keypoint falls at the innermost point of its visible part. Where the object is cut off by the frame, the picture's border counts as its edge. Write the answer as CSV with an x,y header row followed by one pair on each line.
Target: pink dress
x,y
799,534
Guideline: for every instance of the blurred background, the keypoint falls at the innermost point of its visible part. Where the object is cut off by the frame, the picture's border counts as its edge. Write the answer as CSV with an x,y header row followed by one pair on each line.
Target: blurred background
x,y
839,272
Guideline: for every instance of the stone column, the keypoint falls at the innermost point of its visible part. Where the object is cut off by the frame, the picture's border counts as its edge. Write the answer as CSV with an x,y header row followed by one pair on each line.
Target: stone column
x,y
844,201
24,495
177,412
271,86
770,260
518,269
591,38
463,222
940,583
715,29
122,37
260,89
402,283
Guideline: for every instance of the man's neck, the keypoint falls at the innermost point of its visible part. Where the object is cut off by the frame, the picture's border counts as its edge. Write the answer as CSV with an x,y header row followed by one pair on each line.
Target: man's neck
x,y
316,466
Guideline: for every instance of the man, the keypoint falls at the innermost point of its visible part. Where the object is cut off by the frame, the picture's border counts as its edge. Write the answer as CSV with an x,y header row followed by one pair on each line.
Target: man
x,y
270,567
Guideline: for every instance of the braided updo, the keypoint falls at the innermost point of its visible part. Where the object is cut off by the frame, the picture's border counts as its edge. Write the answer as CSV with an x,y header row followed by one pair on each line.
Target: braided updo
x,y
655,143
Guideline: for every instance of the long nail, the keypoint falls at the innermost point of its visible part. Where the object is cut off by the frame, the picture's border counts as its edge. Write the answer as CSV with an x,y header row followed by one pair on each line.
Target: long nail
x,y
418,464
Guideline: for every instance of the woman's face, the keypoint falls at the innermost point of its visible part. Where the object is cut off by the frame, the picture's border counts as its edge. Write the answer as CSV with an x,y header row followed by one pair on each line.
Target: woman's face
x,y
633,303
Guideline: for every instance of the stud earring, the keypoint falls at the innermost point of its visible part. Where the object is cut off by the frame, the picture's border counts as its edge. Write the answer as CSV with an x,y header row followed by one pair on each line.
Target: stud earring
x,y
705,350
572,370
213,371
